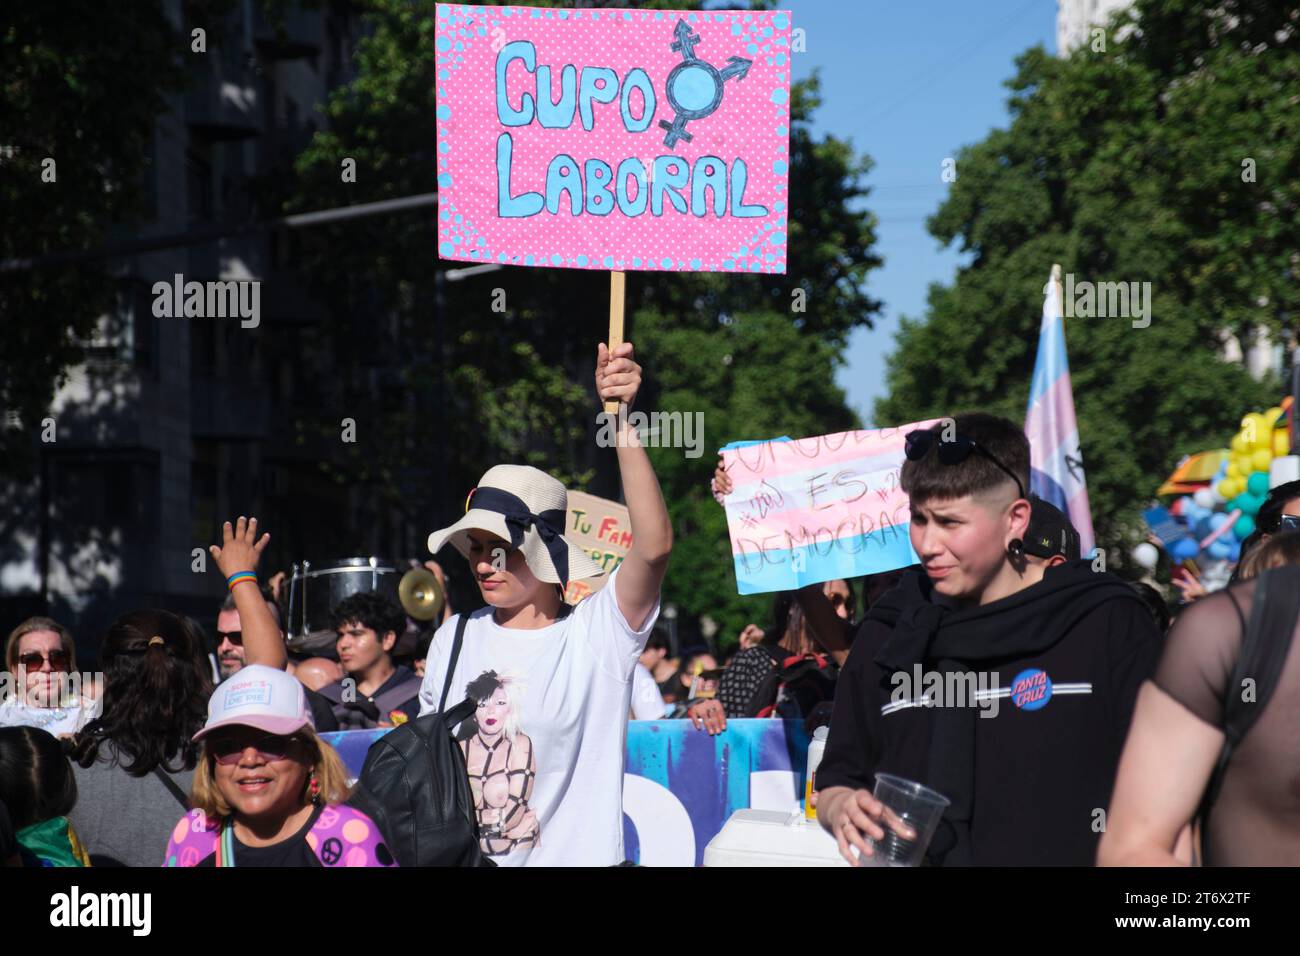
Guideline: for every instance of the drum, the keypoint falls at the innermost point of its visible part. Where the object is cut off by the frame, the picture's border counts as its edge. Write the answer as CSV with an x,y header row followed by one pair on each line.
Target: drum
x,y
315,589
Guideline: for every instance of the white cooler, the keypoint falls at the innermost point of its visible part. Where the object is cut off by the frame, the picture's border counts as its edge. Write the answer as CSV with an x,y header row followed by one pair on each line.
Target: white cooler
x,y
772,838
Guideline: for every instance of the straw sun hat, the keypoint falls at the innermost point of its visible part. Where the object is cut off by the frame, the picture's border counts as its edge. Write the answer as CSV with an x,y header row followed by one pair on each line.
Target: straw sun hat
x,y
528,508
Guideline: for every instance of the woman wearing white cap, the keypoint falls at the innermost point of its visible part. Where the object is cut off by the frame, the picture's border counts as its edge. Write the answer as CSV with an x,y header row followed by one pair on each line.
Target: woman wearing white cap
x,y
545,749
267,791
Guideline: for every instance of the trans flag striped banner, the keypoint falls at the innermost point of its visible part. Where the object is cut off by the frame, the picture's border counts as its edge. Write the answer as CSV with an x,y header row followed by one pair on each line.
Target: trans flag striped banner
x,y
816,509
1056,464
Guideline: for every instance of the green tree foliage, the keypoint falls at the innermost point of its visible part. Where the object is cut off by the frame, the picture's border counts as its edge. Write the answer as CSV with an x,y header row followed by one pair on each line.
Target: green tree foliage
x,y
1125,164
755,354
68,94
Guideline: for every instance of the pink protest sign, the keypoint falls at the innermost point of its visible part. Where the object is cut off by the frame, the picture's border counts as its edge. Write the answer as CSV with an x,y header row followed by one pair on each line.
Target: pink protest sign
x,y
613,139
817,509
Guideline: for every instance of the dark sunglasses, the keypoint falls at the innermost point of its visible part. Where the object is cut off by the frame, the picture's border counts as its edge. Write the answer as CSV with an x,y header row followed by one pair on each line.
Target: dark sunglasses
x,y
1288,523
954,452
234,637
228,750
33,660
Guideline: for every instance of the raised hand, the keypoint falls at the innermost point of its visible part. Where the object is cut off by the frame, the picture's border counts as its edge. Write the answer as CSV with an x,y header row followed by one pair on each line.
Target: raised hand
x,y
618,376
722,483
240,549
751,636
1190,586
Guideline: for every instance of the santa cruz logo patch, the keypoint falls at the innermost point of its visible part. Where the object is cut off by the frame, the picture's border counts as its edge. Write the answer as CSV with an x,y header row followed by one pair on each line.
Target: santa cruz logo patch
x,y
1031,689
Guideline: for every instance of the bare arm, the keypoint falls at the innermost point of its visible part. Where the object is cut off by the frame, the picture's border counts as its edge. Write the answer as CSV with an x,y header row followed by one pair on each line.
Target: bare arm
x,y
240,551
1167,762
618,377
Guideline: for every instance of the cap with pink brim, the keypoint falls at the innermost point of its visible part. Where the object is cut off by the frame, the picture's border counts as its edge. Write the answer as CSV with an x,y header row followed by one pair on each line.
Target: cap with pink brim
x,y
261,697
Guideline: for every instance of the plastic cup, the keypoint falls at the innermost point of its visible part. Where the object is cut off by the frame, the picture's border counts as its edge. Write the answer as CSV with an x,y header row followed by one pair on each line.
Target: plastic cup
x,y
908,804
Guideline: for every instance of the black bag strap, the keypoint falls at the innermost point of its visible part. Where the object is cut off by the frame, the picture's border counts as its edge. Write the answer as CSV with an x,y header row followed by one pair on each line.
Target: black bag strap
x,y
173,786
460,712
1264,648
461,621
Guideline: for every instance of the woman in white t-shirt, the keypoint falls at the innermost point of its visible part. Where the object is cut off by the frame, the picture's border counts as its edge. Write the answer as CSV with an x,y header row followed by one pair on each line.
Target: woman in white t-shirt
x,y
553,684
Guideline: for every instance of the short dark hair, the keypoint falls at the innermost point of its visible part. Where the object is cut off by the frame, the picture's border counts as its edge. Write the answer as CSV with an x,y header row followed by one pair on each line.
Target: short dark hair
x,y
370,609
658,641
1269,518
1268,521
930,479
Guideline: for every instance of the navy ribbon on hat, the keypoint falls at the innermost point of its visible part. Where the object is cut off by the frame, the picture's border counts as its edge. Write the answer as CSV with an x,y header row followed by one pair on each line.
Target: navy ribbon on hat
x,y
549,524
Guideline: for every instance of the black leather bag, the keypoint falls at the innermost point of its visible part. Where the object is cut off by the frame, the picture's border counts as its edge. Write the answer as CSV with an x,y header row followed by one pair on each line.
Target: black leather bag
x,y
414,786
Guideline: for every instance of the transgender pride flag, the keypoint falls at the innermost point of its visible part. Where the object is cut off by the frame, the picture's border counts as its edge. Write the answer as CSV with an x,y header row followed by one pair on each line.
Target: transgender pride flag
x,y
1056,465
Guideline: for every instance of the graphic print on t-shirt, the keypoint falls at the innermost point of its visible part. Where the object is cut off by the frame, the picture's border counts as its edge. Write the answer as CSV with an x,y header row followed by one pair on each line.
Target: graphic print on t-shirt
x,y
501,764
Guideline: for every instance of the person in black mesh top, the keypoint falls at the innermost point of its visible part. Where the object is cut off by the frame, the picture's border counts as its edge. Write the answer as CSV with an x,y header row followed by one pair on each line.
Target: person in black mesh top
x,y
1178,733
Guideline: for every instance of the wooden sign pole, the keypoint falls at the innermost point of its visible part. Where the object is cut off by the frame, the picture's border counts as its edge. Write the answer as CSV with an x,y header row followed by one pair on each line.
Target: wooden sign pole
x,y
617,282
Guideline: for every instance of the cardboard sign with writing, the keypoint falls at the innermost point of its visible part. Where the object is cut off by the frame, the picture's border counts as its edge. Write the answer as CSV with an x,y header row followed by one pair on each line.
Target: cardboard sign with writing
x,y
613,139
817,509
603,529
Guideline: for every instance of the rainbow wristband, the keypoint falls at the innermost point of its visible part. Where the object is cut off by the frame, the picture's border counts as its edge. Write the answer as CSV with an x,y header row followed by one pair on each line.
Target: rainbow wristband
x,y
239,577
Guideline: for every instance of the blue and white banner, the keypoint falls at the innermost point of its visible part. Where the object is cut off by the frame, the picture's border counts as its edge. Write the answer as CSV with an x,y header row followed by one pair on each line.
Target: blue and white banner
x,y
680,785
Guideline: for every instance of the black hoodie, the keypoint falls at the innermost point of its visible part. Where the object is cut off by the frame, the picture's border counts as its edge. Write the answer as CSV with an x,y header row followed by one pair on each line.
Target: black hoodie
x,y
1028,764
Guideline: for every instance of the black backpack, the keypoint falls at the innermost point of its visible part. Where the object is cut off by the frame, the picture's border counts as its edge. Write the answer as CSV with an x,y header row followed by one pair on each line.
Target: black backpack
x,y
414,786
793,691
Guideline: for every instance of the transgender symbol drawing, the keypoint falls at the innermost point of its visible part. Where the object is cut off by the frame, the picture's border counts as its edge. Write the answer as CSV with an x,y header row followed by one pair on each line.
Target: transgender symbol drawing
x,y
694,87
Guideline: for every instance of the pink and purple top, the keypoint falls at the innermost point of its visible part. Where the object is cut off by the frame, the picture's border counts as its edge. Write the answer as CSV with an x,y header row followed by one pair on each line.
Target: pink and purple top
x,y
341,836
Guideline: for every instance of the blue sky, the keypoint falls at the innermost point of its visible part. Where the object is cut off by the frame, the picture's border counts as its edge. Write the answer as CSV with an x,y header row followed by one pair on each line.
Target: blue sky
x,y
909,83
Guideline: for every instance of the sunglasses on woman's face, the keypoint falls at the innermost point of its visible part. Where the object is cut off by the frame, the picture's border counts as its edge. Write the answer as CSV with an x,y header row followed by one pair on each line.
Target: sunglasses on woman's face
x,y
954,452
228,750
33,660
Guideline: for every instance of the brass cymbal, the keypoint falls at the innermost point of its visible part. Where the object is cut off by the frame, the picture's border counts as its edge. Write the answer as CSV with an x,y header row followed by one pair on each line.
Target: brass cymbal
x,y
420,594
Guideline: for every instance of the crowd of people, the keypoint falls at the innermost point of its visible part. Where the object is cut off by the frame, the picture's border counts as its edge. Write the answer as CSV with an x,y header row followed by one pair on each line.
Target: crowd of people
x,y
199,752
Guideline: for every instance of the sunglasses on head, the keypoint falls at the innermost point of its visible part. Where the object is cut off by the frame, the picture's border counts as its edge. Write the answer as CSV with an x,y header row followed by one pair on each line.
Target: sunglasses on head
x,y
228,750
33,660
954,452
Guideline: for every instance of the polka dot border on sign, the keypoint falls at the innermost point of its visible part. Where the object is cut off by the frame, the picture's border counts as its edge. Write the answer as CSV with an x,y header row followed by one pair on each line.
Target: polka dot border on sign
x,y
461,28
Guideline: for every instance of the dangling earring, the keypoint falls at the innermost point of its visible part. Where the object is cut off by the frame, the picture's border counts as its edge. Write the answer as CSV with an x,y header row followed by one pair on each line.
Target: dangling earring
x,y
1016,549
313,789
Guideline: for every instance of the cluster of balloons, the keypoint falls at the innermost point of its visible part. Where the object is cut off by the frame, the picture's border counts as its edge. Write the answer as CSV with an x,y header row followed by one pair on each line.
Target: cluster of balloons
x,y
1199,514
1242,479
1239,485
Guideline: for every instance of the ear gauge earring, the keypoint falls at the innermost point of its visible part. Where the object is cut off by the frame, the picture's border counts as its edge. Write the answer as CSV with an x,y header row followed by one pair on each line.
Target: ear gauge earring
x,y
1016,548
